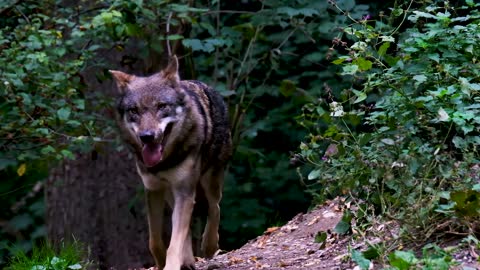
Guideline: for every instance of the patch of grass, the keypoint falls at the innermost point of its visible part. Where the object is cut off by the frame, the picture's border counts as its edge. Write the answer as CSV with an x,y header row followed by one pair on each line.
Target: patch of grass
x,y
45,257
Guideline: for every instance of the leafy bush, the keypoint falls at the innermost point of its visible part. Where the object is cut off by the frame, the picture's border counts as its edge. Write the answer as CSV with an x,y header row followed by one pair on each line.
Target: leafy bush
x,y
404,134
43,58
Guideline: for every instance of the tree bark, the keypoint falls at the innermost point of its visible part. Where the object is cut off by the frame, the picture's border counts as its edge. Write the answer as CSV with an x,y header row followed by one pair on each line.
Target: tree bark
x,y
97,202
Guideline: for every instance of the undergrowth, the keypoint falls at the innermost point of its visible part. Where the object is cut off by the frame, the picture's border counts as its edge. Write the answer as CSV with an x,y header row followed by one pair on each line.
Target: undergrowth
x,y
44,257
401,142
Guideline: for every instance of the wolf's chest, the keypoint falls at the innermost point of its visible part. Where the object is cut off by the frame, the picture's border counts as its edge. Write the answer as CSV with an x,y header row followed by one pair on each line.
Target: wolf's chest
x,y
182,172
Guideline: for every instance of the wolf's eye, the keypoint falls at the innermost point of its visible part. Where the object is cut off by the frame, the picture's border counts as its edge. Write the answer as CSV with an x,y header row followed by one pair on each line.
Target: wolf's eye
x,y
132,111
132,114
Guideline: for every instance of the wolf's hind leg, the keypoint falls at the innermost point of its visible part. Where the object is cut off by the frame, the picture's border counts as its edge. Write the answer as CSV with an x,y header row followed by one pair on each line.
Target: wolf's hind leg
x,y
212,185
155,212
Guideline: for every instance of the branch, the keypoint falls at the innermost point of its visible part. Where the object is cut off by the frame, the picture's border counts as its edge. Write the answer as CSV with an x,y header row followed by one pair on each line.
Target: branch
x,y
167,33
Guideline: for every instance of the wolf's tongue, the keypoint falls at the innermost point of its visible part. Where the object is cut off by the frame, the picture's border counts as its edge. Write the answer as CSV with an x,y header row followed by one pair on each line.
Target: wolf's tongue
x,y
152,154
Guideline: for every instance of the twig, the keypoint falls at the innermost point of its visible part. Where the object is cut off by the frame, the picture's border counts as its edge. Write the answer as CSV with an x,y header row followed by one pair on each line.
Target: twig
x,y
217,52
287,38
24,16
404,17
167,33
247,53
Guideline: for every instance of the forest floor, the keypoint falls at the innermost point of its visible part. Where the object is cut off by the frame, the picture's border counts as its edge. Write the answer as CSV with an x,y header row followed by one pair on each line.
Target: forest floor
x,y
294,246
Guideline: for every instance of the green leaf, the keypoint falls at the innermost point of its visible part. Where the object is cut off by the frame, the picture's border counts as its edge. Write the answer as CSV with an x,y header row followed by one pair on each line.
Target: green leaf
x,y
397,12
349,69
338,61
287,88
63,113
26,99
419,79
435,57
442,115
198,45
343,226
402,260
467,203
346,5
43,131
291,12
47,150
321,238
56,261
314,174
73,123
358,257
67,154
174,37
420,14
361,96
186,8
371,253
383,49
363,64
21,222
388,141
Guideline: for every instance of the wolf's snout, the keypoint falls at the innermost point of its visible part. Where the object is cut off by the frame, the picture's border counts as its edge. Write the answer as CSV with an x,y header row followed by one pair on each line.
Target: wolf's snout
x,y
147,137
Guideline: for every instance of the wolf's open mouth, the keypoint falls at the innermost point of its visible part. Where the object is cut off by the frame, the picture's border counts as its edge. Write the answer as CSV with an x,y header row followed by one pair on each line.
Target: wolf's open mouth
x,y
152,153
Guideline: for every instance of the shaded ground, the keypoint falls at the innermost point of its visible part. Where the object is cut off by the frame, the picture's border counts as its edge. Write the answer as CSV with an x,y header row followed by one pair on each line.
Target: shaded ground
x,y
293,246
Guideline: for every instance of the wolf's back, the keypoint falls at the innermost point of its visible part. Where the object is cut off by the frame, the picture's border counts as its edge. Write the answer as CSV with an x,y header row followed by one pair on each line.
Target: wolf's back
x,y
217,145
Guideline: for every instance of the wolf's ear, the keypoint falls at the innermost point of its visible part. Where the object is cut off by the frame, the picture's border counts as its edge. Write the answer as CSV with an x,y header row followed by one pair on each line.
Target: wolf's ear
x,y
170,73
121,78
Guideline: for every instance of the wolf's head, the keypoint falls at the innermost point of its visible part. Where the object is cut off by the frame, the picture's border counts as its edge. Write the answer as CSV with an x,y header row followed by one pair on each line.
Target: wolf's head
x,y
150,108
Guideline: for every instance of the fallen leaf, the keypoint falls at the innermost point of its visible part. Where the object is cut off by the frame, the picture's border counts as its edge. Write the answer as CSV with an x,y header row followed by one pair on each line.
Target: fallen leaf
x,y
289,228
22,169
271,229
313,221
262,241
234,260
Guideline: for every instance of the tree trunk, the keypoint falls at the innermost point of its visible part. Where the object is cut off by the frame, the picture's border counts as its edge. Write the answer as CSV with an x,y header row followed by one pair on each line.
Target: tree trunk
x,y
96,201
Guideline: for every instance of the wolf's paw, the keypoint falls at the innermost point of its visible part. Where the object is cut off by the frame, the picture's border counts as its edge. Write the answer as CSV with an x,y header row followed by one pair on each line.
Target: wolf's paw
x,y
188,267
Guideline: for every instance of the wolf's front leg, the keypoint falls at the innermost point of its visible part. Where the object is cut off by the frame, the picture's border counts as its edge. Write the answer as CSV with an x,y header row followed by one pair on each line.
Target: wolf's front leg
x,y
155,211
179,253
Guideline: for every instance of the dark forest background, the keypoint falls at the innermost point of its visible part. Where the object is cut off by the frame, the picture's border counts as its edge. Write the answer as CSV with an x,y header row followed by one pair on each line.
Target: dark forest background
x,y
282,67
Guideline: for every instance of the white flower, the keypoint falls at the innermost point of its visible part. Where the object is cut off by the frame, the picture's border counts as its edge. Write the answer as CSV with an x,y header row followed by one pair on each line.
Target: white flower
x,y
336,109
398,164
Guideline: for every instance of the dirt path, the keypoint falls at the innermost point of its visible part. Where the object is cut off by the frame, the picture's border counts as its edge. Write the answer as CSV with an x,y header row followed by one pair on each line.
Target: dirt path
x,y
293,246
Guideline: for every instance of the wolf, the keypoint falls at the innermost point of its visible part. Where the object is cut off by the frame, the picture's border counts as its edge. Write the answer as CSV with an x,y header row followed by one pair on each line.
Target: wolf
x,y
179,133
